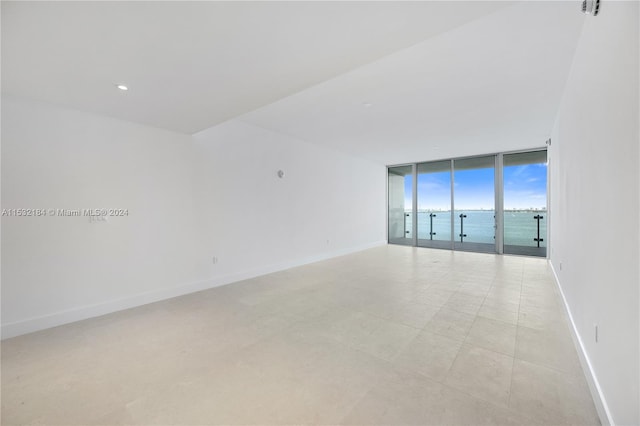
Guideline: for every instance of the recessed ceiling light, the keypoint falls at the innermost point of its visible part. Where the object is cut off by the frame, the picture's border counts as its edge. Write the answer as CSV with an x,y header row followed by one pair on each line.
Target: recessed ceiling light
x,y
122,87
367,104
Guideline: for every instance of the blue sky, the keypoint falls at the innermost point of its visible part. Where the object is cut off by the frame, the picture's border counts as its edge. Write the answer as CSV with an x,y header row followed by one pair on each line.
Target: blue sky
x,y
525,186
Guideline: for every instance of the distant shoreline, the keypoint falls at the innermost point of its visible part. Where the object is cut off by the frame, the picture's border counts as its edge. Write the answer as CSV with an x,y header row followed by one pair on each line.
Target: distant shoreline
x,y
484,210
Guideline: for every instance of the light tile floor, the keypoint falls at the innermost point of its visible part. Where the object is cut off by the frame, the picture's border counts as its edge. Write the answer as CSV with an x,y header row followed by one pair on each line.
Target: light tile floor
x,y
392,335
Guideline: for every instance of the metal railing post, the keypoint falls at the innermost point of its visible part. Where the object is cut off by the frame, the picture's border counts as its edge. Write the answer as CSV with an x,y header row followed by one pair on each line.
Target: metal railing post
x,y
406,215
538,240
462,234
431,233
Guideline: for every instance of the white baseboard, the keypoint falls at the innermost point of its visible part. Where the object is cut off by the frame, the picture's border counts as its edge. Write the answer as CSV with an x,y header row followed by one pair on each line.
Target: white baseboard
x,y
592,380
90,311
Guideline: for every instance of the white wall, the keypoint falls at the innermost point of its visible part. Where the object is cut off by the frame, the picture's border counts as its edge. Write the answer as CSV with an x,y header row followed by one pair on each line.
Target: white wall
x,y
54,269
327,203
188,199
595,202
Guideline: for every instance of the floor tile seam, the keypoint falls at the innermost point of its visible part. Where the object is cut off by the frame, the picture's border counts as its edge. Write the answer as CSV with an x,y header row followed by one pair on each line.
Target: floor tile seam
x,y
227,353
400,323
501,297
437,333
560,412
443,307
477,398
347,344
487,349
475,316
379,317
370,387
578,374
513,361
547,308
537,330
515,348
354,405
496,320
463,312
461,340
512,355
464,392
420,331
512,286
424,376
464,341
498,308
404,347
463,293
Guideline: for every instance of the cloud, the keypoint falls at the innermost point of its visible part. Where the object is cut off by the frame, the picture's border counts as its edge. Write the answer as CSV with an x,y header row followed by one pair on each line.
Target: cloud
x,y
432,186
520,170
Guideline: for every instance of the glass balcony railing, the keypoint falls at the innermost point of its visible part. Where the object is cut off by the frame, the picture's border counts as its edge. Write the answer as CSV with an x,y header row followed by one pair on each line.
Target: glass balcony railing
x,y
526,228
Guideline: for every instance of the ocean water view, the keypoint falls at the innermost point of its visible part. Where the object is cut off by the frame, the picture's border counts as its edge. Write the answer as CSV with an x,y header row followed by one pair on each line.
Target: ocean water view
x,y
423,194
520,227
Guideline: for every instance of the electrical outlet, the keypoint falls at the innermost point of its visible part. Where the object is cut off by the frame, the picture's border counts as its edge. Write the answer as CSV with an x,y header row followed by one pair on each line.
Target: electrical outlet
x,y
214,260
561,266
595,326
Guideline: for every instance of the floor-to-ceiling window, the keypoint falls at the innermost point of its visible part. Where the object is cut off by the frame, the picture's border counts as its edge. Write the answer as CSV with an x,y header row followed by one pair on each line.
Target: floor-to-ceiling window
x,y
525,203
493,203
434,204
400,196
474,214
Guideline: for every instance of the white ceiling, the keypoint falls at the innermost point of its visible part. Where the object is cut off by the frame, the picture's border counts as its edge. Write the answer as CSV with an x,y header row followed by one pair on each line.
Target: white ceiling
x,y
491,85
443,78
192,65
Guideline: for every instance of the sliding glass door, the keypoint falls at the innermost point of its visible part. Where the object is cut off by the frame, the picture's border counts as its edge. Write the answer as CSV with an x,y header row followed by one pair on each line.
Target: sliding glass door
x,y
434,204
525,203
492,204
400,196
474,201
